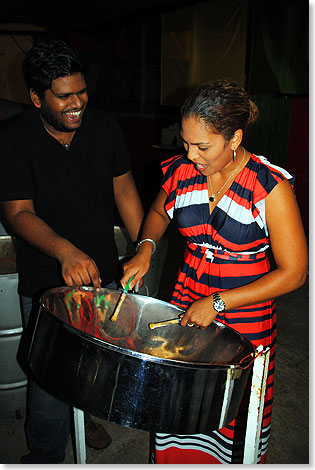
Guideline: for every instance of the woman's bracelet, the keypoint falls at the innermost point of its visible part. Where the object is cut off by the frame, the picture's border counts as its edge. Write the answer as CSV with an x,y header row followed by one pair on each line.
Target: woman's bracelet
x,y
146,240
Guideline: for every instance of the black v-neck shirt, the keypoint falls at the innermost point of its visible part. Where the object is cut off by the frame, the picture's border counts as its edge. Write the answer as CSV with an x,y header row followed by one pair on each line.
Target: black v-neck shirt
x,y
72,190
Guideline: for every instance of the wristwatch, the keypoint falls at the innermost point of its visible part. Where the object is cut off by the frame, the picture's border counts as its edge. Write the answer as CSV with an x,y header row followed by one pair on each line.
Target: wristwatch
x,y
218,304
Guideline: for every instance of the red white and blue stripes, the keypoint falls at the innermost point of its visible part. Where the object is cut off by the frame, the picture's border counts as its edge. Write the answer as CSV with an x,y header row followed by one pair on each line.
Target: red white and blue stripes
x,y
226,248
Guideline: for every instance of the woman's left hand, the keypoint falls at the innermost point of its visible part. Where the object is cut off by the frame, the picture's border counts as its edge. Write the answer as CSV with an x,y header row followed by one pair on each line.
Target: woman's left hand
x,y
200,313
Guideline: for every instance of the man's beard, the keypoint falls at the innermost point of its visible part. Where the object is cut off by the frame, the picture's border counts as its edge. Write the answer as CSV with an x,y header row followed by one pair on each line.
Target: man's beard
x,y
51,118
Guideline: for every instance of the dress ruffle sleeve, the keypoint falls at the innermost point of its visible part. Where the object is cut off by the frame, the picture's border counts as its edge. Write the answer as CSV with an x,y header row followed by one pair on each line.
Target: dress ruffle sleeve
x,y
268,176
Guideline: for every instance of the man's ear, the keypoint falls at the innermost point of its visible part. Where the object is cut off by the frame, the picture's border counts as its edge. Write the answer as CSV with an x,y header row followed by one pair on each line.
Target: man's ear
x,y
37,102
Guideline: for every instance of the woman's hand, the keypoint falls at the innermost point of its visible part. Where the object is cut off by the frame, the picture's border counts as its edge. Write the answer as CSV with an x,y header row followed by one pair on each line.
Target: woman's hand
x,y
137,266
200,313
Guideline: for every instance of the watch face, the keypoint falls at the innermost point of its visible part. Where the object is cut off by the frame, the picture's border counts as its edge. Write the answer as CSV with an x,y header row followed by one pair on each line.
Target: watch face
x,y
218,306
218,303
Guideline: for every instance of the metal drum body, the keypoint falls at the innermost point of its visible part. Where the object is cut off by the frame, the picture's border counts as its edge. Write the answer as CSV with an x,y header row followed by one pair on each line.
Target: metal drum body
x,y
13,381
172,379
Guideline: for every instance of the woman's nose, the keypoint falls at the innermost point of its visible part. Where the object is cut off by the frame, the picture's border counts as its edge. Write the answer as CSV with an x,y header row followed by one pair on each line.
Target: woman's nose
x,y
192,153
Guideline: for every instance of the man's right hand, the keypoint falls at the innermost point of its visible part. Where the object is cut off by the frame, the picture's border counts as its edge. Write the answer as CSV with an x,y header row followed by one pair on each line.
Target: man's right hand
x,y
79,269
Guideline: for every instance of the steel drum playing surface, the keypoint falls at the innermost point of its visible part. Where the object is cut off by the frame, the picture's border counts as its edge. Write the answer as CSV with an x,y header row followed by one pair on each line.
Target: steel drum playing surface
x,y
89,311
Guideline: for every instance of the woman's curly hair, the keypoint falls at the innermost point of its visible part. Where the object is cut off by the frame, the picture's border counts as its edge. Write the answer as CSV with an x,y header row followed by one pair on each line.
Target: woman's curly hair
x,y
223,106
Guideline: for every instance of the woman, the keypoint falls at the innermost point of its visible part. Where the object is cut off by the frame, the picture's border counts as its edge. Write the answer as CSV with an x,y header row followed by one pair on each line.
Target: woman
x,y
230,206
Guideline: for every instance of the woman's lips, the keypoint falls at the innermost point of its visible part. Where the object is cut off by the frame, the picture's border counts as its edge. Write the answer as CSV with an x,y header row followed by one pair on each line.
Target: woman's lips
x,y
201,167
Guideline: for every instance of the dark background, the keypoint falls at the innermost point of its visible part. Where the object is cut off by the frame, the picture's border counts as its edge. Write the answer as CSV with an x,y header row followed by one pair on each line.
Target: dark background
x,y
122,43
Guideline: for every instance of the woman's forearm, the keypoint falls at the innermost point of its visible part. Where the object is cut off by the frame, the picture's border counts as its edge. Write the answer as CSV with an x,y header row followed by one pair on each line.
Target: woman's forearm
x,y
155,223
154,227
268,287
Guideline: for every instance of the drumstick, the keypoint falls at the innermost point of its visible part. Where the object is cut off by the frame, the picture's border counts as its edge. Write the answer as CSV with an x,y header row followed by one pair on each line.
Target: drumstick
x,y
164,323
122,298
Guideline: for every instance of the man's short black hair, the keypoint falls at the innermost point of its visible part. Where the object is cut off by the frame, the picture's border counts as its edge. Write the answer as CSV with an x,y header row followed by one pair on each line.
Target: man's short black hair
x,y
46,61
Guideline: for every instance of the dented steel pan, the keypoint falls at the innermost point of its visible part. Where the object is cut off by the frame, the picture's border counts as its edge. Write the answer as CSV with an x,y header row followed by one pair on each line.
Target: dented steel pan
x,y
172,379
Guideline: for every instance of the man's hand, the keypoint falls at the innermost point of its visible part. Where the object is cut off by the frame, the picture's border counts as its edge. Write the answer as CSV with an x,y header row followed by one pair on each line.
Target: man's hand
x,y
79,269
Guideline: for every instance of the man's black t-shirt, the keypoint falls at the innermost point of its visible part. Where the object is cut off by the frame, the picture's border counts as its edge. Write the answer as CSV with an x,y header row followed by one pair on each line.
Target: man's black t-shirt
x,y
72,190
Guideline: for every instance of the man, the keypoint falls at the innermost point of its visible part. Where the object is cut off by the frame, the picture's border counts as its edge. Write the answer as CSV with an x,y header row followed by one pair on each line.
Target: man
x,y
63,170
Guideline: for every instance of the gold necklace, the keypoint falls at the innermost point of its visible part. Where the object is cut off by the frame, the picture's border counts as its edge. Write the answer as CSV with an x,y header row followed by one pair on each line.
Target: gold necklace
x,y
212,197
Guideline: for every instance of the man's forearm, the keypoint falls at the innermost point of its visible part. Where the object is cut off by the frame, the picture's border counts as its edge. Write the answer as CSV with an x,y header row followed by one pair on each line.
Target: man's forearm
x,y
37,233
131,213
128,203
77,267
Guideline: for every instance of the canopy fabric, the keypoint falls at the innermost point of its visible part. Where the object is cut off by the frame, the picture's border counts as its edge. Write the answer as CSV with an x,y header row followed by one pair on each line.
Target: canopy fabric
x,y
201,43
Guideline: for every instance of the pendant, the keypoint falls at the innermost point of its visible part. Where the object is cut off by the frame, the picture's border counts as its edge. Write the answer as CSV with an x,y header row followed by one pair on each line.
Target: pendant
x,y
211,198
66,146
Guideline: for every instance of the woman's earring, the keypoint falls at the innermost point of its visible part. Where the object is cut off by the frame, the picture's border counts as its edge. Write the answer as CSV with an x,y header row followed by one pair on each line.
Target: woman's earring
x,y
234,155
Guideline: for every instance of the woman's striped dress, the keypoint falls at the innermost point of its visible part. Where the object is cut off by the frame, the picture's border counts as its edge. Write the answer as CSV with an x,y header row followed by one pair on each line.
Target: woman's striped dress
x,y
225,249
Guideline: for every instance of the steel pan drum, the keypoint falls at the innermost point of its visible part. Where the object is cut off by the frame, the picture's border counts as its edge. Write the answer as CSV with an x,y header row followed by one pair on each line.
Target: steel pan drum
x,y
172,379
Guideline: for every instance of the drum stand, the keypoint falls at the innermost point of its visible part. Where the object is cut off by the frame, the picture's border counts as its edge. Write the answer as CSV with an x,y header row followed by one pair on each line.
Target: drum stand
x,y
79,431
256,405
254,417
